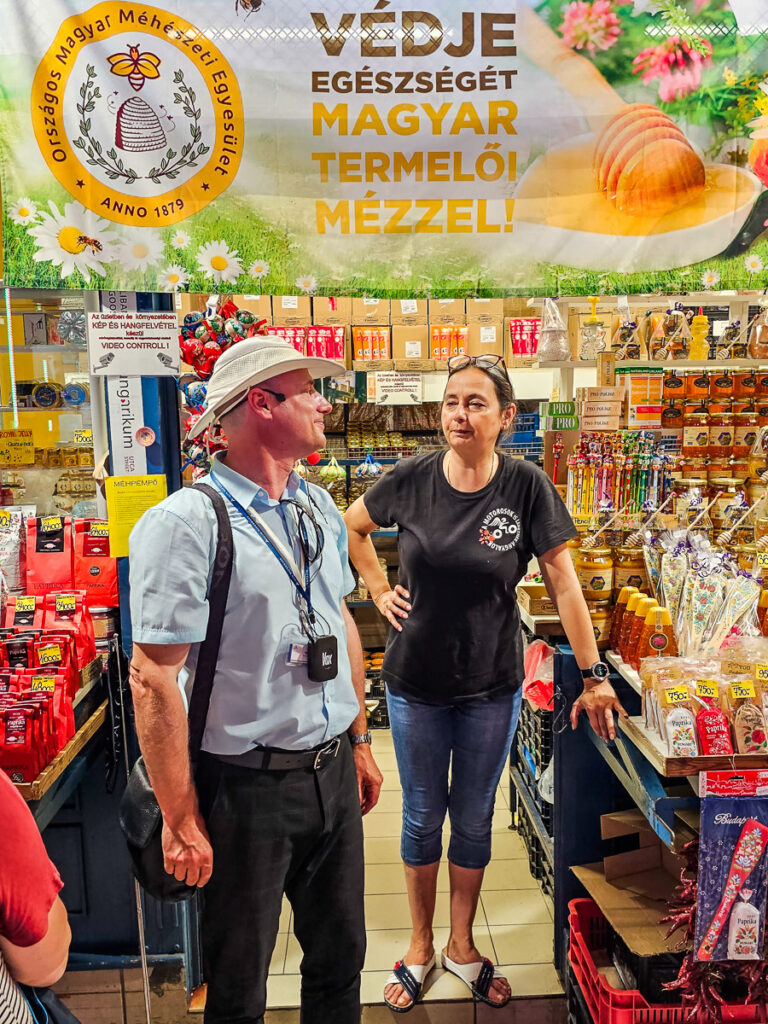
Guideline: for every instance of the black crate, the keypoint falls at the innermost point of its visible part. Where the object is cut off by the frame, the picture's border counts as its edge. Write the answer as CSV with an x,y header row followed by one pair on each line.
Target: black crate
x,y
647,974
535,728
525,767
538,862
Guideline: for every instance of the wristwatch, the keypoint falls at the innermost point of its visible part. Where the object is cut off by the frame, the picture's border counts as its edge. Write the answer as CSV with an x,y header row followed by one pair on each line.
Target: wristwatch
x,y
597,671
361,737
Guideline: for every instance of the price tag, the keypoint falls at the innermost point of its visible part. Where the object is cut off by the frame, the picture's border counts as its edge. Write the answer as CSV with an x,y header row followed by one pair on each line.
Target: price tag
x,y
48,524
676,694
82,437
50,654
762,559
582,522
731,667
706,688
371,302
25,604
5,517
98,530
290,301
65,603
17,447
761,672
408,306
743,689
47,684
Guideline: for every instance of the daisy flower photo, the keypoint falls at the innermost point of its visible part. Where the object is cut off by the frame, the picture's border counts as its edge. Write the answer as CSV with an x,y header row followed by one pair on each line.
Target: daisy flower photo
x,y
140,249
76,239
23,211
753,263
306,283
173,278
218,261
258,269
180,240
710,278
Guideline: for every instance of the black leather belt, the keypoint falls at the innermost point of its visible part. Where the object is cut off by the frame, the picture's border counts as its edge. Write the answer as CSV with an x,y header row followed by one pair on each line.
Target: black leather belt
x,y
267,759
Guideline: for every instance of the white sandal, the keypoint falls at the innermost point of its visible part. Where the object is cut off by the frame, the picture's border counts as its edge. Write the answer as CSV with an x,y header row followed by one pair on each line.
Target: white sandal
x,y
478,977
411,977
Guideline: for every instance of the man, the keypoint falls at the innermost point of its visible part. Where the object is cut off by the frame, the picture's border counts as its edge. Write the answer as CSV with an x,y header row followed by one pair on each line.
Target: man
x,y
275,806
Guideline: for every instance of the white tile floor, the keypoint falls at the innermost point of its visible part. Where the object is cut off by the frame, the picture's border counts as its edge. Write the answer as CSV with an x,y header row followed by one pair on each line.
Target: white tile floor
x,y
513,927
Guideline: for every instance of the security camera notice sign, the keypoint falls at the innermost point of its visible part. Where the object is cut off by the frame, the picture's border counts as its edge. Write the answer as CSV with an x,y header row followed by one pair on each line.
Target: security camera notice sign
x,y
133,344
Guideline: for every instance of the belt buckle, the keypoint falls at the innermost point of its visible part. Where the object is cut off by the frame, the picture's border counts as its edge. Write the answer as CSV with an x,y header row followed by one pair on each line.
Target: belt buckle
x,y
332,747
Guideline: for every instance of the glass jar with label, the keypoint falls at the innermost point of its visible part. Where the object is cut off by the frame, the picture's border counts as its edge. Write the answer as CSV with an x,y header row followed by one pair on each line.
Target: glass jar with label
x,y
672,416
762,383
600,615
574,546
738,469
745,556
697,384
691,466
594,567
696,431
721,384
720,434
744,383
672,386
731,494
718,466
629,569
745,427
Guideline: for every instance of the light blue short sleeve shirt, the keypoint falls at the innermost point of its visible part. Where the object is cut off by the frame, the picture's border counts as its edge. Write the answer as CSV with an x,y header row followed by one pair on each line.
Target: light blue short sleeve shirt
x,y
258,699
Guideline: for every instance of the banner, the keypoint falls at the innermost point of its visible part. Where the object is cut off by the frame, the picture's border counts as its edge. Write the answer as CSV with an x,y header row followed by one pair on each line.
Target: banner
x,y
273,146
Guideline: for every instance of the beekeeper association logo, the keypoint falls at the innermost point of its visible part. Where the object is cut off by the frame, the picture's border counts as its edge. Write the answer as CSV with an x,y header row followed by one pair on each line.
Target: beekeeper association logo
x,y
500,529
137,114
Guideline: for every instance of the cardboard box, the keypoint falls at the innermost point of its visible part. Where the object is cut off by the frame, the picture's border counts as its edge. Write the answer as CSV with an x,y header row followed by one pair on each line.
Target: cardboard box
x,y
486,339
602,409
557,409
606,369
408,312
184,302
415,365
608,423
612,394
410,342
332,311
446,340
371,342
373,365
290,310
259,305
560,423
447,311
534,599
370,311
484,311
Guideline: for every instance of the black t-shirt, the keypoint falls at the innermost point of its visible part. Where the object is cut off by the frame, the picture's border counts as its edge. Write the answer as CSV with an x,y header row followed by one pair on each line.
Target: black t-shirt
x,y
461,557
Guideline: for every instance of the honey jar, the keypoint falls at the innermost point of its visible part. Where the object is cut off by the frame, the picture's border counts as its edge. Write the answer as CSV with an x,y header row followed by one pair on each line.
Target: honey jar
x,y
718,466
574,545
745,556
745,427
762,383
672,416
594,567
731,494
739,469
721,384
696,431
672,385
720,434
691,466
697,384
629,569
600,614
744,383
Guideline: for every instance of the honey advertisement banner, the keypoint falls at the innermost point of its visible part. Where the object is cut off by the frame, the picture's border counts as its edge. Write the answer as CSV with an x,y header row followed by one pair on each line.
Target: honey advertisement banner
x,y
389,148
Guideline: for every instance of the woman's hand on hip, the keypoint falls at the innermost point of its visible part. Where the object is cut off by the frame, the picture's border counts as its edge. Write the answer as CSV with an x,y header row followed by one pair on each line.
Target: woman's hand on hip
x,y
394,605
599,702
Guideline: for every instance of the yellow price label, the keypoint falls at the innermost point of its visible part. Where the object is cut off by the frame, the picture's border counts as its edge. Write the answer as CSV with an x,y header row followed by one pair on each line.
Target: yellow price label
x,y
741,690
66,602
98,530
46,684
706,688
25,604
49,654
761,672
82,437
676,694
50,523
5,517
762,559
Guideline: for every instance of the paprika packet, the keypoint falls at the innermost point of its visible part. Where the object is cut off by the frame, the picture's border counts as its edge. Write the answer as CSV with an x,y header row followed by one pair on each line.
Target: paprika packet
x,y
49,554
24,610
94,570
67,613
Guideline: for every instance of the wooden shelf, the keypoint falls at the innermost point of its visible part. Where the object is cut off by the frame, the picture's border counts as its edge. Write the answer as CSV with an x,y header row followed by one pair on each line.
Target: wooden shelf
x,y
625,671
653,749
680,364
539,624
35,790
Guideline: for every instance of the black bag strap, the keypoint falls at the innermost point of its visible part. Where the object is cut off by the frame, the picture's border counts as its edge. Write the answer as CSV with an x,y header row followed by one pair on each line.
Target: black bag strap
x,y
218,593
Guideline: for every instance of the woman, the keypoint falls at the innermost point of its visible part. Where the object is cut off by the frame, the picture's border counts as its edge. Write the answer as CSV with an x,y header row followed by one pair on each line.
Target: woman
x,y
469,521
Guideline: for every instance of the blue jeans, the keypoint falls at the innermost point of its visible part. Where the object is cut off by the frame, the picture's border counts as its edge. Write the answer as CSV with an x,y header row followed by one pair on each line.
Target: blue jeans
x,y
473,739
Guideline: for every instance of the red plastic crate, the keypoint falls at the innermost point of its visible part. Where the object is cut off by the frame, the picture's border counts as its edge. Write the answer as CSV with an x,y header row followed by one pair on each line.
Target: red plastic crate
x,y
607,1005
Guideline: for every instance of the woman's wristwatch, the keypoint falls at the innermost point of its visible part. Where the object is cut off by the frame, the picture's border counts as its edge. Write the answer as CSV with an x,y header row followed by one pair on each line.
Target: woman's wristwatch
x,y
599,671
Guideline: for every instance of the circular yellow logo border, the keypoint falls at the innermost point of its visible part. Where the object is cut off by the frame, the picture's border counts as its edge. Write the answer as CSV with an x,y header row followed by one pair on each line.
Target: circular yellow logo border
x,y
94,25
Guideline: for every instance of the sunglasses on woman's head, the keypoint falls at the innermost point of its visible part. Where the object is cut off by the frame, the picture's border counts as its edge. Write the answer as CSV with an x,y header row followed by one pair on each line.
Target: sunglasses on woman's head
x,y
456,363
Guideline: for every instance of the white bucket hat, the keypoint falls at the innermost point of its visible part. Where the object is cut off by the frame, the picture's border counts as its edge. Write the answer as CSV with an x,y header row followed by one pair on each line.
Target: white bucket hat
x,y
247,364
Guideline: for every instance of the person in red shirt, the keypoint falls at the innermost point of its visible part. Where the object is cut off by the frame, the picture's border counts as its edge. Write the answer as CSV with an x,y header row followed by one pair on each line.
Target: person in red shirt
x,y
34,930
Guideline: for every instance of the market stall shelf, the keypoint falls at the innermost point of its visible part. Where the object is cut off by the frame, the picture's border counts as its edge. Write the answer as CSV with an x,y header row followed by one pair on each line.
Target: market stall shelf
x,y
652,747
625,671
32,791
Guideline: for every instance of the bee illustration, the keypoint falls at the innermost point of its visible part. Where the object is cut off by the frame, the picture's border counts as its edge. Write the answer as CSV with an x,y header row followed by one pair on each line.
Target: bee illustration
x,y
91,243
249,6
136,67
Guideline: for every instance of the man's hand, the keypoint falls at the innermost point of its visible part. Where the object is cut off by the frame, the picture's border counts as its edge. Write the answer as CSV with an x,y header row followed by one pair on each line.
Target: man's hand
x,y
187,852
599,702
369,778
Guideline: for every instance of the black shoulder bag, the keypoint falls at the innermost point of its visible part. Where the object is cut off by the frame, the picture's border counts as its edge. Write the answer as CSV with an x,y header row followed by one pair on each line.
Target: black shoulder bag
x,y
140,817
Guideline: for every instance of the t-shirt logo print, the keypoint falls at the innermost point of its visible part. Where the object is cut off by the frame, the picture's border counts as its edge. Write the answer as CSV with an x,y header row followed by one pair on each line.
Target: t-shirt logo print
x,y
500,529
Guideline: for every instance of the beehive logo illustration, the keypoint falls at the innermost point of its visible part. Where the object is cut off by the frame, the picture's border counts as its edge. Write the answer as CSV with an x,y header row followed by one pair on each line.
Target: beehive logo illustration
x,y
137,126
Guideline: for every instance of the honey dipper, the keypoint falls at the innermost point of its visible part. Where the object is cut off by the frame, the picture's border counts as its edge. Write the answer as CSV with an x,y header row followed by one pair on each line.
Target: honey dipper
x,y
589,542
642,160
634,539
725,538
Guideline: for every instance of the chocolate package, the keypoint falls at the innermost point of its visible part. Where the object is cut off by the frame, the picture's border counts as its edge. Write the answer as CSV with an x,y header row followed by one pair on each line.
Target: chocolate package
x,y
49,554
733,866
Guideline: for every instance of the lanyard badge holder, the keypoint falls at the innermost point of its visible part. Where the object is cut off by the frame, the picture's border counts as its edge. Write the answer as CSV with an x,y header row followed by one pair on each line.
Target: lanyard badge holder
x,y
322,650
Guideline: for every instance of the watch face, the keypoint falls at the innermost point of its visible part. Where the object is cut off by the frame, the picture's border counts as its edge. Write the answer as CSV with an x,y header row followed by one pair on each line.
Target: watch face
x,y
600,671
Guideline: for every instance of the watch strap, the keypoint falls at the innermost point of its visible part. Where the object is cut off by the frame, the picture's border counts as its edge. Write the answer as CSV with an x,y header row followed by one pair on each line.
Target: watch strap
x,y
589,673
360,738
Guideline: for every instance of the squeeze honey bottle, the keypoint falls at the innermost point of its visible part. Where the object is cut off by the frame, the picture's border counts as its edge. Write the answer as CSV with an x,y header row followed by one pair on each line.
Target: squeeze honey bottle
x,y
626,622
618,614
657,637
642,608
